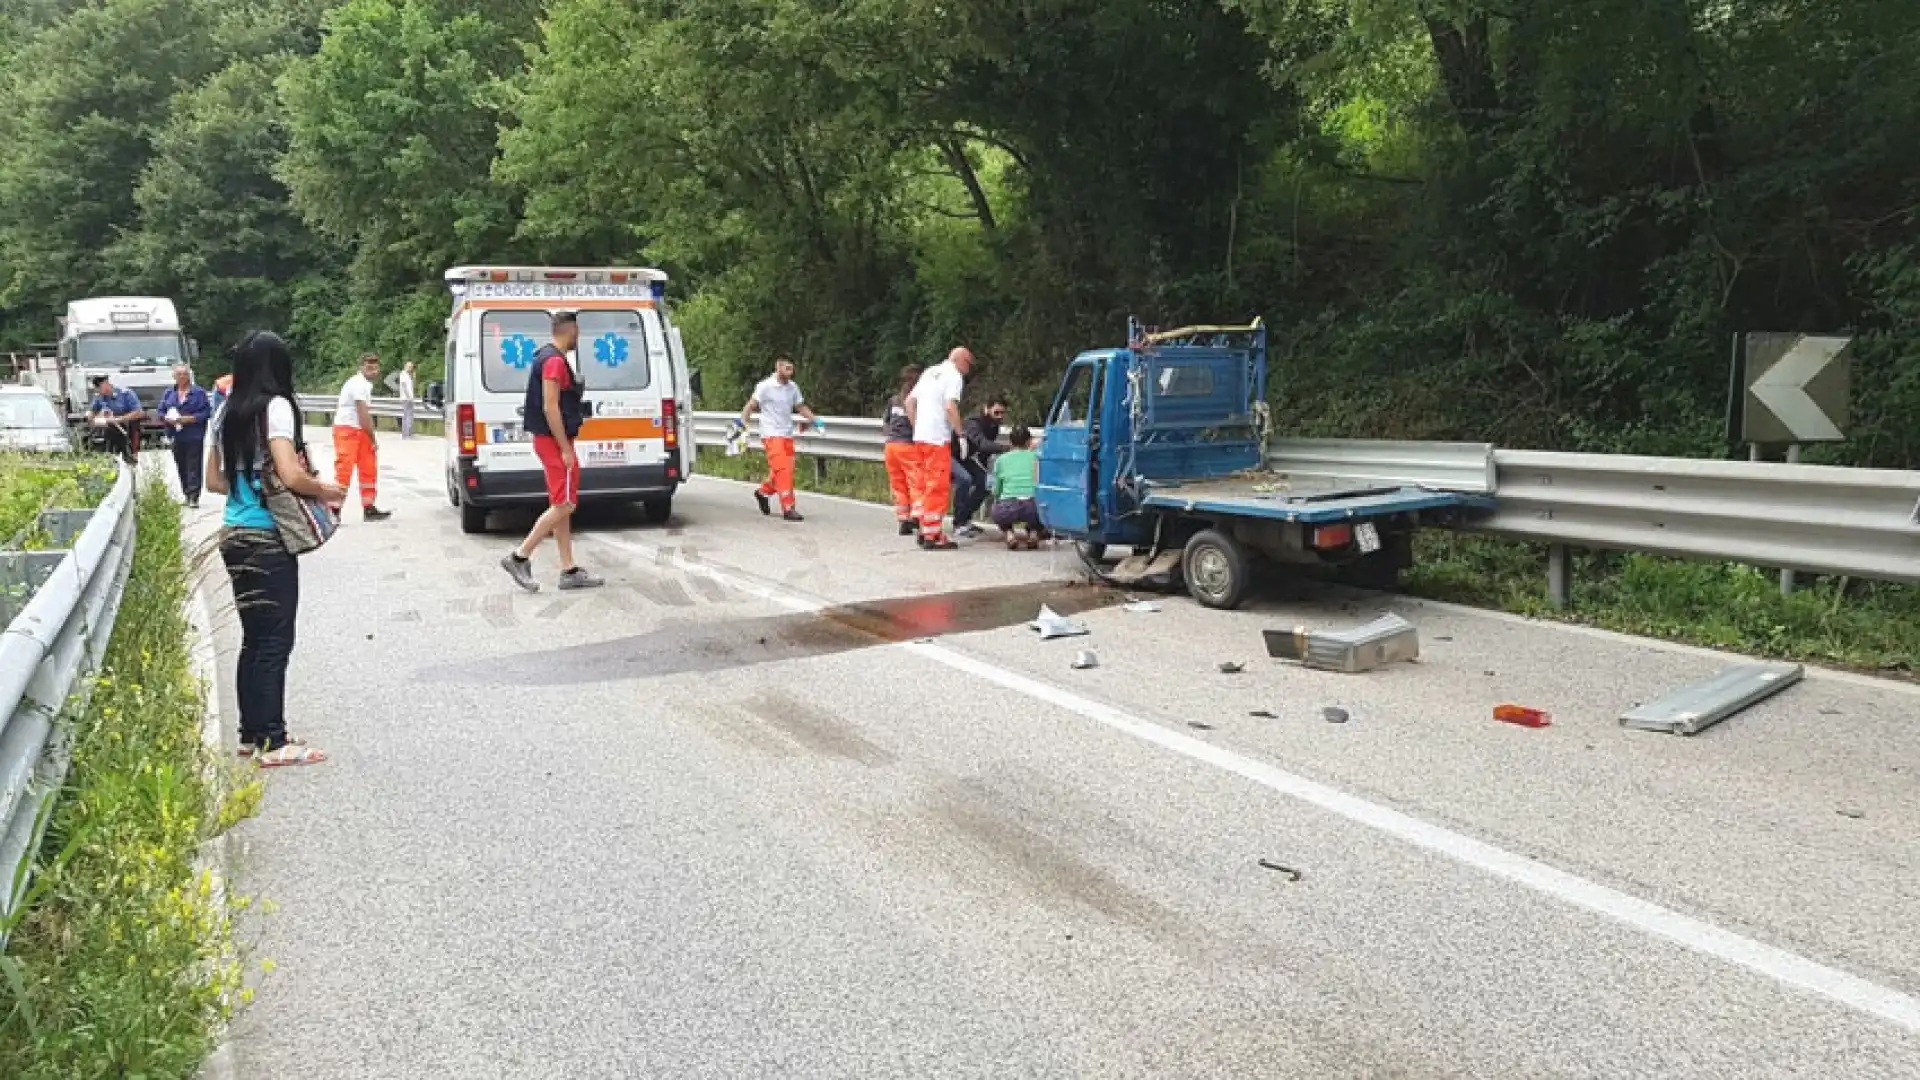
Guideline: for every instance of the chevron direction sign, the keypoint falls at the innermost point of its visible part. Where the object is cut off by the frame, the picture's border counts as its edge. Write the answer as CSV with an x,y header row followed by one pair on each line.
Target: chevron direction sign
x,y
1790,388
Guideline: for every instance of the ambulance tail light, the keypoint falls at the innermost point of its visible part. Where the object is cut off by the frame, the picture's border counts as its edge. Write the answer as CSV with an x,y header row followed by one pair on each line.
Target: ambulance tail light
x,y
464,418
670,420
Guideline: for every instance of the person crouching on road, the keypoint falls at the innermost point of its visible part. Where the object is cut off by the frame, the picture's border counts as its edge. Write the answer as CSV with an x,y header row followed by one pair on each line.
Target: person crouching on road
x,y
259,431
353,445
776,399
973,454
898,427
934,408
187,409
552,413
1016,477
118,414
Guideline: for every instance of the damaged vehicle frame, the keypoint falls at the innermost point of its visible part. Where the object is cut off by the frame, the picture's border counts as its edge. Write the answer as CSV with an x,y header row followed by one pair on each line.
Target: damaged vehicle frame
x,y
1159,449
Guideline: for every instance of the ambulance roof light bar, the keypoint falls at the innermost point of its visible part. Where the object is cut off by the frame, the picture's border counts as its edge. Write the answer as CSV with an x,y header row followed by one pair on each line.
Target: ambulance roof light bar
x,y
618,275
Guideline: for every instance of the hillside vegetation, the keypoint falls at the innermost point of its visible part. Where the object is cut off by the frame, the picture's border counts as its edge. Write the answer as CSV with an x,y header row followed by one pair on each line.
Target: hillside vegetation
x,y
1532,221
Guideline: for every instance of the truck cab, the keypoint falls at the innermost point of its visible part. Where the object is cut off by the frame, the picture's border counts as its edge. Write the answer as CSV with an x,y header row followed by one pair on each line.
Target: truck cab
x,y
1160,449
133,340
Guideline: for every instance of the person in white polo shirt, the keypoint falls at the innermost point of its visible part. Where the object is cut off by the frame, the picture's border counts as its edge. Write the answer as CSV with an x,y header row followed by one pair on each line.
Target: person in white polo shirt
x,y
776,399
353,445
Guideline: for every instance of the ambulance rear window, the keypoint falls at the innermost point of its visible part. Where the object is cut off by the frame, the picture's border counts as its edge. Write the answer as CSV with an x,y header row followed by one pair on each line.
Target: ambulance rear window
x,y
613,351
508,340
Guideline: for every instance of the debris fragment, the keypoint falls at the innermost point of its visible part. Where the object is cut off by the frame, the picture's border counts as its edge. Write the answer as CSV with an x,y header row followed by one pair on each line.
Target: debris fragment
x,y
1199,725
1522,716
1333,714
1263,714
1692,709
1854,814
1052,624
1386,640
1231,667
1444,637
1269,864
1142,607
1085,659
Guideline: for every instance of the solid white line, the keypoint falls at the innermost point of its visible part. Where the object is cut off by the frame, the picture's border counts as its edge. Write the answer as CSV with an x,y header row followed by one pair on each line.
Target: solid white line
x,y
1901,1009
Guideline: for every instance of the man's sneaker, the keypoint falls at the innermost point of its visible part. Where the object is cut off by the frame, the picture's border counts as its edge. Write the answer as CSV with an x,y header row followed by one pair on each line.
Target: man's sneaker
x,y
521,571
765,506
967,531
938,543
792,515
374,513
578,578
908,528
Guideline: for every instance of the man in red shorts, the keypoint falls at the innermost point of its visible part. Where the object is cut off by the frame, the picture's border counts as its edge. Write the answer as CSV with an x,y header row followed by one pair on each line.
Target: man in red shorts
x,y
553,415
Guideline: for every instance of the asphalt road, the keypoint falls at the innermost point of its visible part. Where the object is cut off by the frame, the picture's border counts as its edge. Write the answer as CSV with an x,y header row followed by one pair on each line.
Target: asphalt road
x,y
801,800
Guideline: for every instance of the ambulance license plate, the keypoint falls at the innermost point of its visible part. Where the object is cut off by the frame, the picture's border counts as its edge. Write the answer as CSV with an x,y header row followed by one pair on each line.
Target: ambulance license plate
x,y
1367,537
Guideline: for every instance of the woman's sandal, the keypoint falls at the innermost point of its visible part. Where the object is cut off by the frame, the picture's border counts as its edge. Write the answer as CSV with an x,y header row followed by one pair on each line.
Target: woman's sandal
x,y
247,748
291,753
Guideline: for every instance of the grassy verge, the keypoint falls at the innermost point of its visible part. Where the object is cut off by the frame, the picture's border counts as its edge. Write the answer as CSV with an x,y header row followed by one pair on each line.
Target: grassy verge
x,y
29,483
121,962
1865,626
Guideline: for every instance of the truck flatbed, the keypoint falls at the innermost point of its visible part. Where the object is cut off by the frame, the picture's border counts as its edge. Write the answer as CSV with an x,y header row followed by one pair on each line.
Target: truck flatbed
x,y
1276,497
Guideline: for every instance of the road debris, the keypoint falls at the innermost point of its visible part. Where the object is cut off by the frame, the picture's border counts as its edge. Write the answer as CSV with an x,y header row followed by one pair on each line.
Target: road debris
x,y
1263,714
1231,667
1697,707
1854,814
1085,659
1142,607
1199,725
1269,864
1333,714
1051,624
1522,716
1386,640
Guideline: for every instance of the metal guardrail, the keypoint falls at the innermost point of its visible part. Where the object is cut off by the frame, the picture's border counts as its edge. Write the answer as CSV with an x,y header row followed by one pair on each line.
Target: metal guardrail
x,y
1821,519
53,640
1814,518
381,407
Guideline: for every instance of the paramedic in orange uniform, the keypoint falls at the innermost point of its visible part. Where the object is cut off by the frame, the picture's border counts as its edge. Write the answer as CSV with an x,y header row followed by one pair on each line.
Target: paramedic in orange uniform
x,y
353,446
898,427
934,408
776,399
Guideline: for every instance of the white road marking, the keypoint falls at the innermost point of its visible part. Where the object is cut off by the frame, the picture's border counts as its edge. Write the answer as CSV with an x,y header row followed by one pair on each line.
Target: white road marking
x,y
1791,969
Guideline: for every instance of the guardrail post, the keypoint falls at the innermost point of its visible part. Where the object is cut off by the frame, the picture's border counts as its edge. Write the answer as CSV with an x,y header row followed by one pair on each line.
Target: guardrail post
x,y
1786,576
820,469
1559,576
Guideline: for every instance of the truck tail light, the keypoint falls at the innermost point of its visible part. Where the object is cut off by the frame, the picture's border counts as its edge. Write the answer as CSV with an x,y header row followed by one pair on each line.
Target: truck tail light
x,y
468,447
1329,537
670,419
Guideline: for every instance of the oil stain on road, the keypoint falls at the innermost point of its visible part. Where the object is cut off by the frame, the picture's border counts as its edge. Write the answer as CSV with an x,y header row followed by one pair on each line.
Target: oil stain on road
x,y
685,647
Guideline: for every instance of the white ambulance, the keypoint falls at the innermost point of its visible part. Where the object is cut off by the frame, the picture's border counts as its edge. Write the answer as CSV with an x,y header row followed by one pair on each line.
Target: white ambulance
x,y
637,443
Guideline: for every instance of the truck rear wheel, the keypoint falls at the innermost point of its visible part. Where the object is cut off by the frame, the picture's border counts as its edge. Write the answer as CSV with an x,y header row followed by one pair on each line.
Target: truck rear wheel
x,y
1217,570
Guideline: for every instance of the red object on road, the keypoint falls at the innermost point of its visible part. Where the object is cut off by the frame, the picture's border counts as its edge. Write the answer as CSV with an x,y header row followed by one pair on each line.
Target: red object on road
x,y
1523,716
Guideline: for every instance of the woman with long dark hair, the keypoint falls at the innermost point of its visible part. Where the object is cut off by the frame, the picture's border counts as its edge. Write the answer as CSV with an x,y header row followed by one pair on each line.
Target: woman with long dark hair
x,y
258,430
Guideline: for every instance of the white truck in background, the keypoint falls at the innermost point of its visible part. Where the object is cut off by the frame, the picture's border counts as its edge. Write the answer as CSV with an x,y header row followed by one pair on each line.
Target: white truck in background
x,y
133,340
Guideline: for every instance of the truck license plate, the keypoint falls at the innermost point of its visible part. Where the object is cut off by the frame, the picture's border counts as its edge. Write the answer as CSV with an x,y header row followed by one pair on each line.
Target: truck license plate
x,y
1368,537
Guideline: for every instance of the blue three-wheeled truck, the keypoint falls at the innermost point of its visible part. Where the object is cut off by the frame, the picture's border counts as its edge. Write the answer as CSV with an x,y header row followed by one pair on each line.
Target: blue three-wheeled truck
x,y
1160,449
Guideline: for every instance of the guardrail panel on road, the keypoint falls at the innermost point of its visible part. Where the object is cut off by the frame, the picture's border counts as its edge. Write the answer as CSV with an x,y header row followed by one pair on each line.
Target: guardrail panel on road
x,y
45,654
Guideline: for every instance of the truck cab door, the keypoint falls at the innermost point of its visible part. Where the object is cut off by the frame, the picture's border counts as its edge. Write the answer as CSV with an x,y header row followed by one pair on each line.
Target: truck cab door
x,y
1070,454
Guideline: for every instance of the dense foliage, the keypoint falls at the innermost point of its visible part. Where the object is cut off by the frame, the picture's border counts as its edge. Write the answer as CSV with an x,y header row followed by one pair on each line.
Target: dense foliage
x,y
1536,221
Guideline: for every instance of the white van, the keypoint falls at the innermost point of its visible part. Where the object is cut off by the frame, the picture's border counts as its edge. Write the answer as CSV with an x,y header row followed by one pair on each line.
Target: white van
x,y
637,443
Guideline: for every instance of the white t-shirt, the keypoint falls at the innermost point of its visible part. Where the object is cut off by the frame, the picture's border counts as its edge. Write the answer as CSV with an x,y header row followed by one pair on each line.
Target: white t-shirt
x,y
406,386
356,389
939,386
280,424
777,403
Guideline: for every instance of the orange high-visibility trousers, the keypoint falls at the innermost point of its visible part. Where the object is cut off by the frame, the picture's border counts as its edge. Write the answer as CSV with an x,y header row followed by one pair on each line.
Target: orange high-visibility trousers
x,y
353,450
934,469
900,476
779,470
